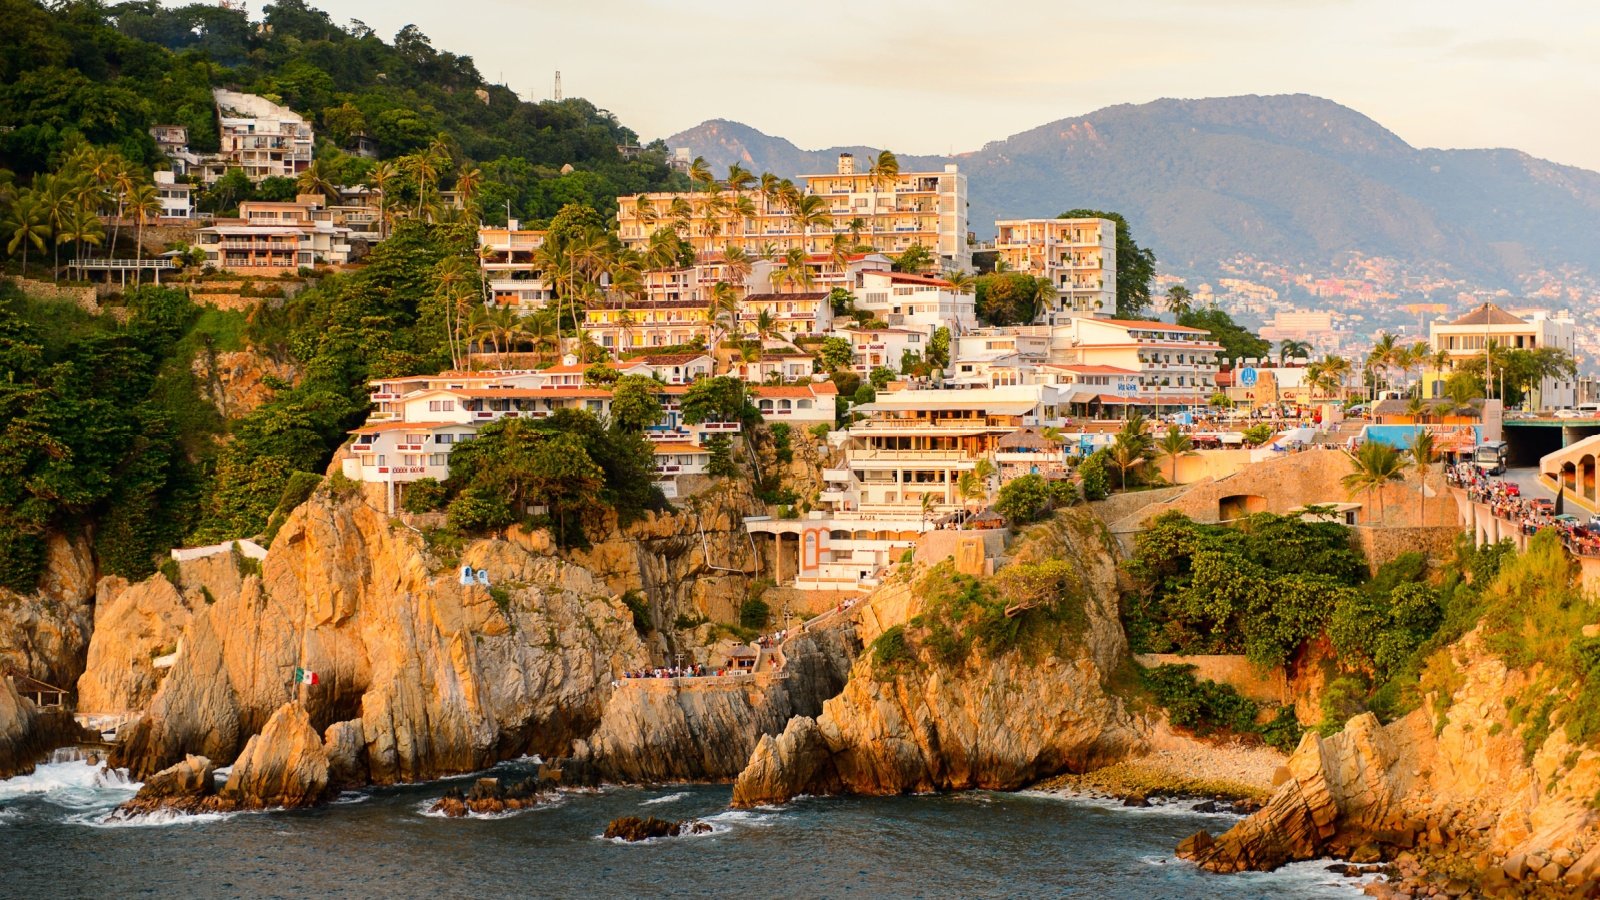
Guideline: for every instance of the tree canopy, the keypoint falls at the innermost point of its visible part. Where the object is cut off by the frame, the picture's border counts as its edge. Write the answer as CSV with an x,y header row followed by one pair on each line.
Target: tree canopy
x,y
1136,265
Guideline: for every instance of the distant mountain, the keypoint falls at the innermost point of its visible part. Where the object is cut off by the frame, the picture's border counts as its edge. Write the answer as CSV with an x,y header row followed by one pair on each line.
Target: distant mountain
x,y
1289,178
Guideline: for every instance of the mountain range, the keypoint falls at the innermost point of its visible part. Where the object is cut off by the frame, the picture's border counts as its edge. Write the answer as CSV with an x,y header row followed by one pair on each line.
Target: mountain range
x,y
1291,179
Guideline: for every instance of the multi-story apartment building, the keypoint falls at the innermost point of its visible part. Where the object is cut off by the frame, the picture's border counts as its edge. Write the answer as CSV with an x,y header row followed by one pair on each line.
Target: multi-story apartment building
x,y
175,197
1078,256
888,214
900,473
798,313
258,137
1176,365
508,258
623,326
1466,337
273,237
924,301
885,347
417,421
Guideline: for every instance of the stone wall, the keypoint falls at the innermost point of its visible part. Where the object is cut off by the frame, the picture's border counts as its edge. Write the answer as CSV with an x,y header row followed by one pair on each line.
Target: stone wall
x,y
82,295
1380,545
936,546
1264,685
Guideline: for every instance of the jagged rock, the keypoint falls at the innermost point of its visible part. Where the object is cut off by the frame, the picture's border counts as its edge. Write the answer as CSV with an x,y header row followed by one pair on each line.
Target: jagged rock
x,y
285,765
134,625
28,733
489,795
44,633
633,828
442,678
995,721
186,786
705,729
347,754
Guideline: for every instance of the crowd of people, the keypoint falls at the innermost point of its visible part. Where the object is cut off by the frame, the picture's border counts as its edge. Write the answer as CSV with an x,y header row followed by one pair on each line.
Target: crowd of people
x,y
695,671
1506,502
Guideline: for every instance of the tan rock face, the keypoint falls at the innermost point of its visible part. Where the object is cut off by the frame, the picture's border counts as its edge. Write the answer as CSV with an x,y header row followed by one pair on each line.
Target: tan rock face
x,y
441,678
285,765
134,626
44,634
27,733
235,381
1463,785
705,729
990,721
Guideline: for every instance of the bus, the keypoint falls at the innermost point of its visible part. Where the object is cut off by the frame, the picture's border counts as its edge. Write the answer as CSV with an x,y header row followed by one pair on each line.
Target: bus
x,y
1490,457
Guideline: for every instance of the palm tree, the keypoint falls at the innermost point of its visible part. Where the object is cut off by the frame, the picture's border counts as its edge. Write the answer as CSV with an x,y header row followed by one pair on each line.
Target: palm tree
x,y
644,210
382,175
57,194
796,271
424,168
885,169
467,184
1440,361
122,184
961,282
1173,445
1421,448
736,263
1374,465
1290,349
1381,356
1417,408
1179,300
453,287
855,226
1124,457
144,205
809,210
317,178
27,222
700,174
766,325
82,226
724,307
739,178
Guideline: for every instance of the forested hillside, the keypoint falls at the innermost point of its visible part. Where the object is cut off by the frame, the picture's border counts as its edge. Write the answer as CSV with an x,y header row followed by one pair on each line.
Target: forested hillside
x,y
86,72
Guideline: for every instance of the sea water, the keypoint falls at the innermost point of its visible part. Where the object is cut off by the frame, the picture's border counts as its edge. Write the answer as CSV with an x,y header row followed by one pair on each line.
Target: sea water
x,y
58,839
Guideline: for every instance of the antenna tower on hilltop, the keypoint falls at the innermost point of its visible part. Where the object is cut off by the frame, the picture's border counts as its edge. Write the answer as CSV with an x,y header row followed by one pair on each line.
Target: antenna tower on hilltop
x,y
558,86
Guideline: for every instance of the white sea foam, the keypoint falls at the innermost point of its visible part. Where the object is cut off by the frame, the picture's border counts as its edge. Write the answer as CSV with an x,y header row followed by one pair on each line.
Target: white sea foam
x,y
161,818
1159,806
670,798
745,817
349,798
72,784
1311,877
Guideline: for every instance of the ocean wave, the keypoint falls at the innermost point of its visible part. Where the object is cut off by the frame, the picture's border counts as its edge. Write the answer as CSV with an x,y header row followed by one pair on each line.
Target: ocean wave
x,y
670,798
161,818
1307,878
73,784
747,817
1159,806
349,798
7,815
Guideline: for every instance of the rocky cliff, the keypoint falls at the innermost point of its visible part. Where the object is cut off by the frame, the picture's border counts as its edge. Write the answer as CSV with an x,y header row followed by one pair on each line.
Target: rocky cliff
x,y
28,733
705,729
996,716
417,675
1471,786
44,634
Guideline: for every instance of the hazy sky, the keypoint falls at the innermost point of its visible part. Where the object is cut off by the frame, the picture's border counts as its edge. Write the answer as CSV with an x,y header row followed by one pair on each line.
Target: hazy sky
x,y
937,76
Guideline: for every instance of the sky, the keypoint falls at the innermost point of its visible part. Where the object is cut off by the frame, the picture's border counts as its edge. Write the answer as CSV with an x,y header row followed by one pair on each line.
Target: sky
x,y
939,77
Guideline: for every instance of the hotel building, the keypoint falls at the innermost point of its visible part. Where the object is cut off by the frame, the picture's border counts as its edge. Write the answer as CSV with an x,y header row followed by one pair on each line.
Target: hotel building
x,y
1466,337
1078,256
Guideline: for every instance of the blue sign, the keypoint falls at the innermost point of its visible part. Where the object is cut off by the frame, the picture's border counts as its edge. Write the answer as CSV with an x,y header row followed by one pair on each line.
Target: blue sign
x,y
1247,376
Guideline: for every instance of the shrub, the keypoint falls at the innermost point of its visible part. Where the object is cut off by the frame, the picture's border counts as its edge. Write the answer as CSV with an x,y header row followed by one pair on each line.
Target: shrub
x,y
754,613
423,496
890,651
820,431
639,608
1203,706
781,448
1095,477
1023,500
1063,493
297,491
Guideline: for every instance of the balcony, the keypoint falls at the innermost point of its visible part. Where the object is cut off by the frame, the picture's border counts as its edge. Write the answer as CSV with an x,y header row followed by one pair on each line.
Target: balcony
x,y
835,475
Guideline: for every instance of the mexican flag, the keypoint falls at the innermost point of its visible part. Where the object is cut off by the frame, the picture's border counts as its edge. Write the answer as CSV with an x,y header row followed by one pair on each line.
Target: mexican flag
x,y
304,676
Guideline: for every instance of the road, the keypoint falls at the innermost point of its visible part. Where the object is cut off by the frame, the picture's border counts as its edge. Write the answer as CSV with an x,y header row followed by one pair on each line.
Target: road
x,y
1527,478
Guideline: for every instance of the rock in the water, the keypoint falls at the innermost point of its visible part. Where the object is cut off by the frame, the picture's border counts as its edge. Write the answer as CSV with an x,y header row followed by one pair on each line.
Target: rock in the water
x,y
633,828
28,733
490,795
187,786
285,765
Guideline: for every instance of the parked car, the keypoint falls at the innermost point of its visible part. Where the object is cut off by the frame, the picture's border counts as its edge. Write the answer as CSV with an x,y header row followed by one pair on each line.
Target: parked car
x,y
1568,414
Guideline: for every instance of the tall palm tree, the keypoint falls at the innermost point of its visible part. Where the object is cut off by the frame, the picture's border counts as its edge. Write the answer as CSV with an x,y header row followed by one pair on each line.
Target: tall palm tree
x,y
121,185
961,282
1374,465
736,263
644,210
1421,448
453,287
1179,300
809,211
1381,357
83,226
382,175
1124,456
855,226
883,171
700,174
1173,445
467,183
424,168
143,205
796,270
722,310
739,178
1440,361
28,223
57,194
766,325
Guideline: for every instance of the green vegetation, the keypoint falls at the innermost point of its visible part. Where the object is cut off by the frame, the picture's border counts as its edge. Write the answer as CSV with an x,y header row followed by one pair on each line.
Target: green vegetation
x,y
1095,478
1009,298
1027,606
754,613
1262,587
84,73
1237,342
93,430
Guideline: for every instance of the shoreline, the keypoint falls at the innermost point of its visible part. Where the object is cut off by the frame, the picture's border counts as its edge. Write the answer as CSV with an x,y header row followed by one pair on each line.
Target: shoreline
x,y
1235,774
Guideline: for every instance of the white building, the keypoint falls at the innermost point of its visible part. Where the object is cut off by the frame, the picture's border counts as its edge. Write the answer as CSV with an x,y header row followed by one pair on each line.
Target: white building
x,y
176,198
1466,337
1078,256
918,301
258,137
509,260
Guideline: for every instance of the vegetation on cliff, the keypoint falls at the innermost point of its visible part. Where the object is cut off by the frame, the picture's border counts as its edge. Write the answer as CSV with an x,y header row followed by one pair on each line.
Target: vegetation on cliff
x,y
84,72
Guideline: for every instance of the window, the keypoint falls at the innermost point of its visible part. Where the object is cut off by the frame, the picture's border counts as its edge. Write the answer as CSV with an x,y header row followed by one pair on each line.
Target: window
x,y
444,439
416,438
438,459
441,406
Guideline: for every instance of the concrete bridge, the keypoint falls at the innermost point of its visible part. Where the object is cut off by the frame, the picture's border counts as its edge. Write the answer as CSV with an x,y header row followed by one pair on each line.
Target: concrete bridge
x,y
1480,521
